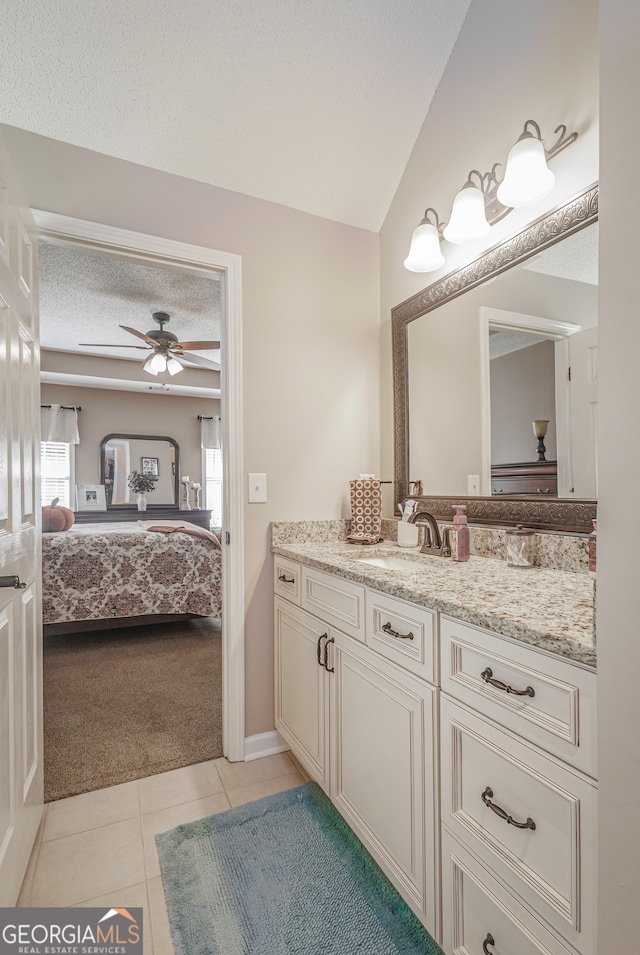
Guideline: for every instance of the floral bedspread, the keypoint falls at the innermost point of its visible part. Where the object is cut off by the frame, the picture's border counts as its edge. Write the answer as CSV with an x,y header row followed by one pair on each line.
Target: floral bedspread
x,y
98,571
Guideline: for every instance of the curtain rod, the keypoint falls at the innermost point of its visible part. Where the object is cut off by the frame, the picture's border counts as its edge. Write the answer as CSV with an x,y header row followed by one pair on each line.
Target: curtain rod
x,y
65,407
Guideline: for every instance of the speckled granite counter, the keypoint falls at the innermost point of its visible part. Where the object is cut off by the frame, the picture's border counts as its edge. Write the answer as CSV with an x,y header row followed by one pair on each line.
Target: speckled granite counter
x,y
549,609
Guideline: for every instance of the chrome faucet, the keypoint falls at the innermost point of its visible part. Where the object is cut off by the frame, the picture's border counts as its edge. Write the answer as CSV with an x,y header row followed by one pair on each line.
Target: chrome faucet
x,y
433,543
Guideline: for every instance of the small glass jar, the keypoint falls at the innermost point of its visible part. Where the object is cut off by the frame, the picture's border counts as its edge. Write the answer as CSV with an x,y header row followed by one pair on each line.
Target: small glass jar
x,y
521,547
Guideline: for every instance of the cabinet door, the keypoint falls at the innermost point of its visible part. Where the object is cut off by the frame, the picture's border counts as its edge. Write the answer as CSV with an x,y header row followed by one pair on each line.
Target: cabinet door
x,y
301,688
383,753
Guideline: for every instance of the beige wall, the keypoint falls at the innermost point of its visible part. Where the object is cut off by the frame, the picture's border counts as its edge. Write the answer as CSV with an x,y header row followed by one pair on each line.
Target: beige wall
x,y
522,388
619,467
514,60
310,351
105,412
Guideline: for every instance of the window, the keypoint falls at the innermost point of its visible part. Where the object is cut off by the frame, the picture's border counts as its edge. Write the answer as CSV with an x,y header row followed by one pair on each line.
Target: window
x,y
55,472
212,463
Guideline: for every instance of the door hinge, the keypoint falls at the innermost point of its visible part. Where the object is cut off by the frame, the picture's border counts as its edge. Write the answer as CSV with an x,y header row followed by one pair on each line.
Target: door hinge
x,y
227,537
569,373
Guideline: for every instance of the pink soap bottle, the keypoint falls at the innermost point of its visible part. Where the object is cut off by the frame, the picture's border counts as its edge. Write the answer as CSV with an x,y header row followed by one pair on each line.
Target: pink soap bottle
x,y
460,534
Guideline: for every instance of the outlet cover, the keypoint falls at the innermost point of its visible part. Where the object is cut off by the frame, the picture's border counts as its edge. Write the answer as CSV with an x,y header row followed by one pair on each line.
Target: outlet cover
x,y
257,488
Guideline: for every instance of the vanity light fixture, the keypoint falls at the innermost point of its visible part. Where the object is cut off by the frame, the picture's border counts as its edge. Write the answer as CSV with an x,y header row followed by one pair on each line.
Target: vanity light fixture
x,y
483,200
425,245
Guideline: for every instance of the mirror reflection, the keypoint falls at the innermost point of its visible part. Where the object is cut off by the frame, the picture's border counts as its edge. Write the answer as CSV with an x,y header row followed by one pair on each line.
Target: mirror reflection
x,y
483,367
120,454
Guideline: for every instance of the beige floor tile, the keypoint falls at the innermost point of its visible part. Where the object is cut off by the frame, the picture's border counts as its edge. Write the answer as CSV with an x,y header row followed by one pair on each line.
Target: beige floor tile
x,y
89,864
165,819
90,810
159,919
235,775
179,786
266,787
131,897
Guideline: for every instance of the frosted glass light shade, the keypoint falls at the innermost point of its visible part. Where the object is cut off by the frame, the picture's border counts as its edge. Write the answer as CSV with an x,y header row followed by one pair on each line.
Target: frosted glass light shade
x,y
424,253
527,178
468,218
173,366
148,366
158,362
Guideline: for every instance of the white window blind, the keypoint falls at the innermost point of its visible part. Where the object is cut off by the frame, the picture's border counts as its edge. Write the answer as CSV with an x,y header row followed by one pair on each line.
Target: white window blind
x,y
55,472
212,458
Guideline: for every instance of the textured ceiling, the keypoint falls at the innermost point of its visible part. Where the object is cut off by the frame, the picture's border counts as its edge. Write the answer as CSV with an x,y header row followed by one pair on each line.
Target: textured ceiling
x,y
315,104
575,258
85,297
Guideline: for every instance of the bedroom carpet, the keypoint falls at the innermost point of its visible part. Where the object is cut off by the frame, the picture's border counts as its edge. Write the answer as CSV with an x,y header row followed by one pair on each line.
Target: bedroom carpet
x,y
123,704
281,875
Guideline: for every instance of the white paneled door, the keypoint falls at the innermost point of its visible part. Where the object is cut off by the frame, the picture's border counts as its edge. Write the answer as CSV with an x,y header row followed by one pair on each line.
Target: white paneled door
x,y
21,766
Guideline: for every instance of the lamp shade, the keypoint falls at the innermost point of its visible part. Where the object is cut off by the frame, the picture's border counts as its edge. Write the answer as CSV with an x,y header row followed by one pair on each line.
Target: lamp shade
x,y
527,178
424,253
147,365
159,362
173,366
468,218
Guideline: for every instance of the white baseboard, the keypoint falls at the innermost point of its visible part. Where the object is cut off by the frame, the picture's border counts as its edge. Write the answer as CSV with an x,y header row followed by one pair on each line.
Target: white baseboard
x,y
264,744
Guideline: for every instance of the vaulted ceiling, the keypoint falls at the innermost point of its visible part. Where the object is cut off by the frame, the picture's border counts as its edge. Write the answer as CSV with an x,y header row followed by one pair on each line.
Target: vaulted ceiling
x,y
315,104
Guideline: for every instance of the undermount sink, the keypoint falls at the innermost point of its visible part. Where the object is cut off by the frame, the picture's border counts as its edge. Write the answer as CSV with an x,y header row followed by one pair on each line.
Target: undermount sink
x,y
390,563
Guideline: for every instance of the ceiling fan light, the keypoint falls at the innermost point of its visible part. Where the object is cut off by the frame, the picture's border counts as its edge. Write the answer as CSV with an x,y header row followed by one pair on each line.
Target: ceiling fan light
x,y
468,217
173,366
147,366
158,362
527,178
424,253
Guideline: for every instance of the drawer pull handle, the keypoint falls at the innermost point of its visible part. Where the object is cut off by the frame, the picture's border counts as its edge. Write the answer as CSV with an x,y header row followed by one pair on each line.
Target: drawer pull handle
x,y
319,648
285,579
489,940
394,633
487,676
12,581
486,798
326,655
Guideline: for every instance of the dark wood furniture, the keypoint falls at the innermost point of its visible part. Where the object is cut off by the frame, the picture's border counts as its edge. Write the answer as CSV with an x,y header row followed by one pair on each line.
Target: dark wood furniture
x,y
154,512
530,478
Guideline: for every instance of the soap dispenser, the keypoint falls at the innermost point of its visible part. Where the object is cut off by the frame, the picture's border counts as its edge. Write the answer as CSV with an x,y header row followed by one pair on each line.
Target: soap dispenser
x,y
459,535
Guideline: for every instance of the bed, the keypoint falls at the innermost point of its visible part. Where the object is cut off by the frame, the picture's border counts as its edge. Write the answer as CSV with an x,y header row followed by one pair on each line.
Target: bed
x,y
112,575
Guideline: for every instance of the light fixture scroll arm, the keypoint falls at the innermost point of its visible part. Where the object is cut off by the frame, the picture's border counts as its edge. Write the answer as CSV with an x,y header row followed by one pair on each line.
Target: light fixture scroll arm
x,y
434,221
561,142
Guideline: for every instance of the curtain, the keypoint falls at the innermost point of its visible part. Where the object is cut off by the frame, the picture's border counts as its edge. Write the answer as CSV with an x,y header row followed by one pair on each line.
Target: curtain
x,y
60,424
210,433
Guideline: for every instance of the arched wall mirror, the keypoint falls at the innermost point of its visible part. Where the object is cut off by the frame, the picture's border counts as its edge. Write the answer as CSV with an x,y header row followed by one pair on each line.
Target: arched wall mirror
x,y
482,354
158,455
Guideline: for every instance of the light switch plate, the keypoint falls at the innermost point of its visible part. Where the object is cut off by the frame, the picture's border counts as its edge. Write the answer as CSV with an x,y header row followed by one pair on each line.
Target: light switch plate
x,y
473,484
257,489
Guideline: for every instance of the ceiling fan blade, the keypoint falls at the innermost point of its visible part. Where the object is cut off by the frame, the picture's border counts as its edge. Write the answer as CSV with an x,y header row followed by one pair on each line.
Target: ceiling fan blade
x,y
134,331
204,362
109,345
195,346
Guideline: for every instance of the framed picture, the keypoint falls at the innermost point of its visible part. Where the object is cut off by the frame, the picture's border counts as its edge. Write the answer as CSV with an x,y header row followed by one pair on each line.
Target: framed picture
x,y
90,497
150,466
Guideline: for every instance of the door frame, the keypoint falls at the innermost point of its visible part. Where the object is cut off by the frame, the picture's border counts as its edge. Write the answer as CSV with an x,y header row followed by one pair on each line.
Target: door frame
x,y
154,250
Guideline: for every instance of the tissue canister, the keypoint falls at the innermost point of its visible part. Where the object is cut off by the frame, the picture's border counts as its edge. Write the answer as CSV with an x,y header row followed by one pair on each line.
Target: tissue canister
x,y
521,547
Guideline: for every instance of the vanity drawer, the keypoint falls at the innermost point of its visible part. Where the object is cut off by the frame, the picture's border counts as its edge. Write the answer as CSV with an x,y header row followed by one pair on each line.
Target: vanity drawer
x,y
402,632
335,600
477,908
560,716
550,862
287,579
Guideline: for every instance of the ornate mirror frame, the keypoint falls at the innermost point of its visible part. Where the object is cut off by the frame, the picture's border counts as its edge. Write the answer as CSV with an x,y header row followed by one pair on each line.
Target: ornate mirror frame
x,y
559,515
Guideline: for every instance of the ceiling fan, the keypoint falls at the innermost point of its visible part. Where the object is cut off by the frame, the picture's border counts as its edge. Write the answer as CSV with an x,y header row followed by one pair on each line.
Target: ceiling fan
x,y
165,348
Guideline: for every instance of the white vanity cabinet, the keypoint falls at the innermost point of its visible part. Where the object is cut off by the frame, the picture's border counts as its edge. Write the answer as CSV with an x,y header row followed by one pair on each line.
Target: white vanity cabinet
x,y
364,727
519,822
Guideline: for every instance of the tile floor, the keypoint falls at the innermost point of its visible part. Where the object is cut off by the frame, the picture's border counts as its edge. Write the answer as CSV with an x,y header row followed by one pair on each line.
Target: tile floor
x,y
98,848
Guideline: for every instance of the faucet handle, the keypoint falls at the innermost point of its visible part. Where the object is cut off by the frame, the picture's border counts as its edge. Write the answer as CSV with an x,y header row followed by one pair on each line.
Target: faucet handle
x,y
446,542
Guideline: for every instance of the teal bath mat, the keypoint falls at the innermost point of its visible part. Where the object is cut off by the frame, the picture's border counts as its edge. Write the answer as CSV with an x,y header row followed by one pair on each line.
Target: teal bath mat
x,y
282,876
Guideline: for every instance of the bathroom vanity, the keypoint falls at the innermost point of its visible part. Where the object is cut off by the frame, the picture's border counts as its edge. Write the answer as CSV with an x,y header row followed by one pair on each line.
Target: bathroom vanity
x,y
449,712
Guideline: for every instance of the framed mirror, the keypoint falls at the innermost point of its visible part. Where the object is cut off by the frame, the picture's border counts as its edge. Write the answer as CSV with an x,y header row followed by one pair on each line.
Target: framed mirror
x,y
458,428
157,455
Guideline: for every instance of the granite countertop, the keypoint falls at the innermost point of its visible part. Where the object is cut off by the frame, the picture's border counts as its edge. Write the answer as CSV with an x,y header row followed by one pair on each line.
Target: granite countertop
x,y
548,609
